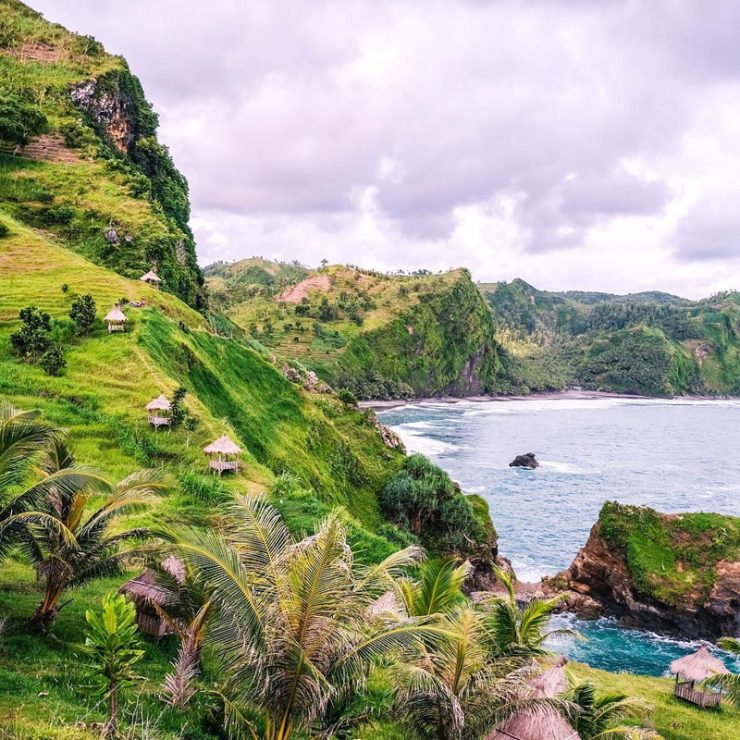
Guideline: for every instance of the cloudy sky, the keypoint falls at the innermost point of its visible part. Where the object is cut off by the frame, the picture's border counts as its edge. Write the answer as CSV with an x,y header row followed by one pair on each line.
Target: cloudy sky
x,y
590,144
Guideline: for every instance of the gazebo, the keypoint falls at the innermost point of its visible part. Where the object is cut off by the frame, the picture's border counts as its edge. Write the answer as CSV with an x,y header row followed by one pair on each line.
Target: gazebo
x,y
159,411
698,666
116,319
152,278
148,592
222,454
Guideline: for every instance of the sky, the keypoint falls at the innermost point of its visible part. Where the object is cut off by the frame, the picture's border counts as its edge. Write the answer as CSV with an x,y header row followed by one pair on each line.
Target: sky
x,y
578,144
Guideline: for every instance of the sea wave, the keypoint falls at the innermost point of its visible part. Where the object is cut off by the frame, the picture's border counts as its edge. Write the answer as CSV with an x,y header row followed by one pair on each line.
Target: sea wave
x,y
563,467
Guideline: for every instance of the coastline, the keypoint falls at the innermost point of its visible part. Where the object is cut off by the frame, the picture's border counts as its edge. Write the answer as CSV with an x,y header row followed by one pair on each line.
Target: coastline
x,y
579,395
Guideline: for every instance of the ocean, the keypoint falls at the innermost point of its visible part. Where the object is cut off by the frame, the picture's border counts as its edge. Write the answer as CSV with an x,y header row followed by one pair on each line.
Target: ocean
x,y
672,455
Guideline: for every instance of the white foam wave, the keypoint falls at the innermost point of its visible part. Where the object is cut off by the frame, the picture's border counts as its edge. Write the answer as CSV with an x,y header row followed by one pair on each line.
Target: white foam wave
x,y
416,442
562,467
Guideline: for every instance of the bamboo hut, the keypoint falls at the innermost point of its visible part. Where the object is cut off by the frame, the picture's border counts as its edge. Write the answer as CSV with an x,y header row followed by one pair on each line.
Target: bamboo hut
x,y
151,278
148,592
222,454
159,411
116,319
697,667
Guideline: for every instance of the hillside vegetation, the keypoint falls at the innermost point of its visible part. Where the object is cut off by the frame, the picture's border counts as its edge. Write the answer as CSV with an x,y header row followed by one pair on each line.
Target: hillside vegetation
x,y
79,156
648,343
377,335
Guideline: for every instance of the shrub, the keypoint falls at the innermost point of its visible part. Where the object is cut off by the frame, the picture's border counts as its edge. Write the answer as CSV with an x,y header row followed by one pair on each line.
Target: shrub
x,y
4,230
347,397
423,499
20,120
83,313
204,488
52,361
178,412
32,339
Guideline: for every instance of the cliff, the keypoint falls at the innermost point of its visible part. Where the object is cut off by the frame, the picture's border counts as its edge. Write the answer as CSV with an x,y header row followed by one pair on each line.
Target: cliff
x,y
377,335
79,155
676,573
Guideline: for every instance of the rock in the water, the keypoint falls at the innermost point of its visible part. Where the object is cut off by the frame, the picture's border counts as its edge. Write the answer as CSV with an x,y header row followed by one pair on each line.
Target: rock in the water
x,y
524,461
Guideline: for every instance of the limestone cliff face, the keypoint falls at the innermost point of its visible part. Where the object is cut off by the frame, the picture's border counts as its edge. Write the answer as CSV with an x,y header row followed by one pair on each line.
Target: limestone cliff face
x,y
600,578
113,112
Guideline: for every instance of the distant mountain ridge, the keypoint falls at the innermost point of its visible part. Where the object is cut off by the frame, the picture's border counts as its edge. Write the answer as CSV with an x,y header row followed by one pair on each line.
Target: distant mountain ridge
x,y
648,343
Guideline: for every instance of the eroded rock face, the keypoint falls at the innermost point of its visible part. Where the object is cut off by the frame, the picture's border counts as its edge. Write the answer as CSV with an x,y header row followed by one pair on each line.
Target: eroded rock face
x,y
599,581
113,112
389,437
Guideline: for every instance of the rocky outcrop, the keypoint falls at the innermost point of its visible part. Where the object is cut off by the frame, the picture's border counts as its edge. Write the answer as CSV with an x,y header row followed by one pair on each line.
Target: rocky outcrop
x,y
389,437
600,581
111,110
524,461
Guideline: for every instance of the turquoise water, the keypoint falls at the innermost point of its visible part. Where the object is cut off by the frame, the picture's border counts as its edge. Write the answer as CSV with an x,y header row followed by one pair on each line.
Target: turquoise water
x,y
671,455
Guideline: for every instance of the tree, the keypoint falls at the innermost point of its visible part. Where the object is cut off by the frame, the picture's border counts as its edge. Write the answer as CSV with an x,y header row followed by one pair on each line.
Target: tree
x,y
438,589
603,716
729,683
452,688
24,439
83,313
113,648
520,632
178,412
71,546
32,339
52,361
291,622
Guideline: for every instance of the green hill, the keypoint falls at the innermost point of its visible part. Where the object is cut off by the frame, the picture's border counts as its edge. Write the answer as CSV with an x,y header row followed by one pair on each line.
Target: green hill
x,y
646,343
79,156
380,336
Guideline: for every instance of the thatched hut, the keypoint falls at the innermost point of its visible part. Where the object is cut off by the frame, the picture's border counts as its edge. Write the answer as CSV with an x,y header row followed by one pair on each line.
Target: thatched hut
x,y
697,667
148,592
543,725
116,319
159,411
151,278
222,454
535,726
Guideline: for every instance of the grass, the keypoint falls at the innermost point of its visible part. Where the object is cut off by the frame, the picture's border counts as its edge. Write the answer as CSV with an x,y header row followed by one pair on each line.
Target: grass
x,y
672,718
671,557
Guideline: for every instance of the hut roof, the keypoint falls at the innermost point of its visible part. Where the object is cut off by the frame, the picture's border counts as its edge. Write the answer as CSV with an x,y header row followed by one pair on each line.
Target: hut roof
x,y
148,588
151,276
535,726
698,666
550,683
115,314
223,444
161,402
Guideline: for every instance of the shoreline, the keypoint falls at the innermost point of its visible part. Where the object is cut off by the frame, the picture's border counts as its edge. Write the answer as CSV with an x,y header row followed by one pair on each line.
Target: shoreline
x,y
577,395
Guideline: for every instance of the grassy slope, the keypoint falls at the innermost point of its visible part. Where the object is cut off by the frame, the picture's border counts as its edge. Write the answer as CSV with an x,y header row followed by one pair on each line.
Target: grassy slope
x,y
380,335
650,343
671,557
332,455
100,188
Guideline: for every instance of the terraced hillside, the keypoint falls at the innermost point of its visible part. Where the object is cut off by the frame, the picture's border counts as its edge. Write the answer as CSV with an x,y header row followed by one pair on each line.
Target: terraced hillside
x,y
377,335
79,156
649,343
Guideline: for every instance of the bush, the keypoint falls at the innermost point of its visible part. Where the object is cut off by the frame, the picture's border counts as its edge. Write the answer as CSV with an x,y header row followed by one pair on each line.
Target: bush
x,y
52,361
20,120
83,313
4,230
424,500
205,488
32,339
347,397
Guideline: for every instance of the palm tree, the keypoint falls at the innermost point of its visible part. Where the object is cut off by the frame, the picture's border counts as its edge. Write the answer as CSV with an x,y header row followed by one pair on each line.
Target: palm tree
x,y
70,546
729,683
292,620
23,439
454,688
603,716
520,632
437,590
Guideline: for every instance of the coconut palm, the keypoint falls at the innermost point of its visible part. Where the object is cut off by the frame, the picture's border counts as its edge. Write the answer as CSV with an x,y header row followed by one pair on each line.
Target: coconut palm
x,y
437,590
70,546
455,689
23,439
520,632
603,716
292,621
729,683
